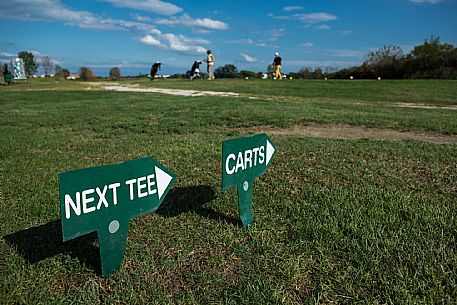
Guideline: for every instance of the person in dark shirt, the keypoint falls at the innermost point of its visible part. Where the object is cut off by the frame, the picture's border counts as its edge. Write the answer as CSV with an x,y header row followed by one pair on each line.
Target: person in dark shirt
x,y
195,70
277,62
154,68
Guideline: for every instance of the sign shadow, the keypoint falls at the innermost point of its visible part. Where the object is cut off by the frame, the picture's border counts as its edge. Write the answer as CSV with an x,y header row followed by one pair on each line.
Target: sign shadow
x,y
45,241
193,199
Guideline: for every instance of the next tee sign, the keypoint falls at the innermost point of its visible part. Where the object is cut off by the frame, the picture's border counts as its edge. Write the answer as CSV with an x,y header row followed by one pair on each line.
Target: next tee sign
x,y
244,159
105,198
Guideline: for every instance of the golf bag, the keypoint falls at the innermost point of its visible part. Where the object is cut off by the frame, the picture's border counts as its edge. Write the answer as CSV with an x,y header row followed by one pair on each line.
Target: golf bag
x,y
195,70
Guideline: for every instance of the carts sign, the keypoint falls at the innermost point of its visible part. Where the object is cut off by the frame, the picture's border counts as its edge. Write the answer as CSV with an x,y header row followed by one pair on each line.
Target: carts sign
x,y
105,198
244,159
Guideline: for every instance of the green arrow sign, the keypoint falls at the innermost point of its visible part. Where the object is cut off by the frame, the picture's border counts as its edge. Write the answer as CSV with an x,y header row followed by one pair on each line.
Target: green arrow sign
x,y
243,160
105,198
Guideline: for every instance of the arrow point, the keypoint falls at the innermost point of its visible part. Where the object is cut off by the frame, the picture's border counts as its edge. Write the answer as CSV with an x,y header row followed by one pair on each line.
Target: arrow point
x,y
270,151
163,180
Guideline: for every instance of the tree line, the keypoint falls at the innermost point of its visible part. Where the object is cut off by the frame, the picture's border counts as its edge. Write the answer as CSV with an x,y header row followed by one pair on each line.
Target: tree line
x,y
431,60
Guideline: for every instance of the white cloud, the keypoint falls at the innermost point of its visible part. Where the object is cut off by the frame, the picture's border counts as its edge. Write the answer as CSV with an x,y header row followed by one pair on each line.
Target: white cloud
x,y
248,41
293,8
306,45
141,18
173,42
276,33
200,31
152,6
151,41
54,10
6,54
315,17
180,43
323,27
186,20
311,18
425,1
6,57
121,64
248,58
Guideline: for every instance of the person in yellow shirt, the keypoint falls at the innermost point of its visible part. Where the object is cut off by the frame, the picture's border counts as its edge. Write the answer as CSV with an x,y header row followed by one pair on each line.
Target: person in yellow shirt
x,y
277,65
210,62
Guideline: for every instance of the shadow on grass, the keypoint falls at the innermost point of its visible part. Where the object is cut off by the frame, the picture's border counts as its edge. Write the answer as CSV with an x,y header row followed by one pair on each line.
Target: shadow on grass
x,y
45,241
193,199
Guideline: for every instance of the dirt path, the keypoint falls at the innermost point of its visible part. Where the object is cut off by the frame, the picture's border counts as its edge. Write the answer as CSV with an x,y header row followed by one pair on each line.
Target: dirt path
x,y
353,132
425,106
114,86
180,92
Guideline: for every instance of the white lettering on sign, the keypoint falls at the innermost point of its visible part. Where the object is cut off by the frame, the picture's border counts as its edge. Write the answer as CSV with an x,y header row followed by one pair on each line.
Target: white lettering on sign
x,y
86,197
142,183
227,165
87,200
151,184
244,160
141,186
101,196
70,203
114,187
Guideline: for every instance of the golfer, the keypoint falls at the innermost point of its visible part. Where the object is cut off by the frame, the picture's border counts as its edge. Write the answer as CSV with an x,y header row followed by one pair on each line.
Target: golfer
x,y
154,68
210,63
195,70
277,61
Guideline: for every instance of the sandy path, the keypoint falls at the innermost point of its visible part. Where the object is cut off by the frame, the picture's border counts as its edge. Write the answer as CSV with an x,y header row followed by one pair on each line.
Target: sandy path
x,y
353,132
180,92
425,106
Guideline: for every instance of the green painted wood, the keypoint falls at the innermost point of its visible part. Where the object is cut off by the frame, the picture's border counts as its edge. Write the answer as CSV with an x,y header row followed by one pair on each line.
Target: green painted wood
x,y
244,159
105,198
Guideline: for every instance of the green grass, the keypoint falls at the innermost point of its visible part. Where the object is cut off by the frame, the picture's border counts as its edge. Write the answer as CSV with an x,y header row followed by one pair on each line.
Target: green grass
x,y
414,91
343,221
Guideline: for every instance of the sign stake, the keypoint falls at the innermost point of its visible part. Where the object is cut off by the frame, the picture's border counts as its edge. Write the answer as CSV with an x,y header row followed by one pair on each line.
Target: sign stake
x,y
244,159
244,191
105,198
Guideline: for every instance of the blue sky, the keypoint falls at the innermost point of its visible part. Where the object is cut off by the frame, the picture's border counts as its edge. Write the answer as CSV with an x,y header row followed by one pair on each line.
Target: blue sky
x,y
132,34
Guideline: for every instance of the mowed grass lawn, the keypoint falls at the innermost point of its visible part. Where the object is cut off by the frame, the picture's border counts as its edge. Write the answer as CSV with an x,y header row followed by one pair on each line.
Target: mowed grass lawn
x,y
336,221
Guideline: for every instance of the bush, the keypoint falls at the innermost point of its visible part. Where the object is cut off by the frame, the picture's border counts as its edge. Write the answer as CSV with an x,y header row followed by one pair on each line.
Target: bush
x,y
227,71
115,73
246,73
86,73
61,72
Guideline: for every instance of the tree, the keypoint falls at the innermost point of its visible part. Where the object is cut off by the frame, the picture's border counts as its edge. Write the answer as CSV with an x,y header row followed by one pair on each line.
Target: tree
x,y
47,65
114,73
61,72
432,59
249,74
385,62
305,73
227,71
270,69
30,64
318,73
86,73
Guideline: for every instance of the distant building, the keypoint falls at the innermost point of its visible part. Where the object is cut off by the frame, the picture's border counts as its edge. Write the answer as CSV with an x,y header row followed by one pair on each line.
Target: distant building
x,y
73,76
